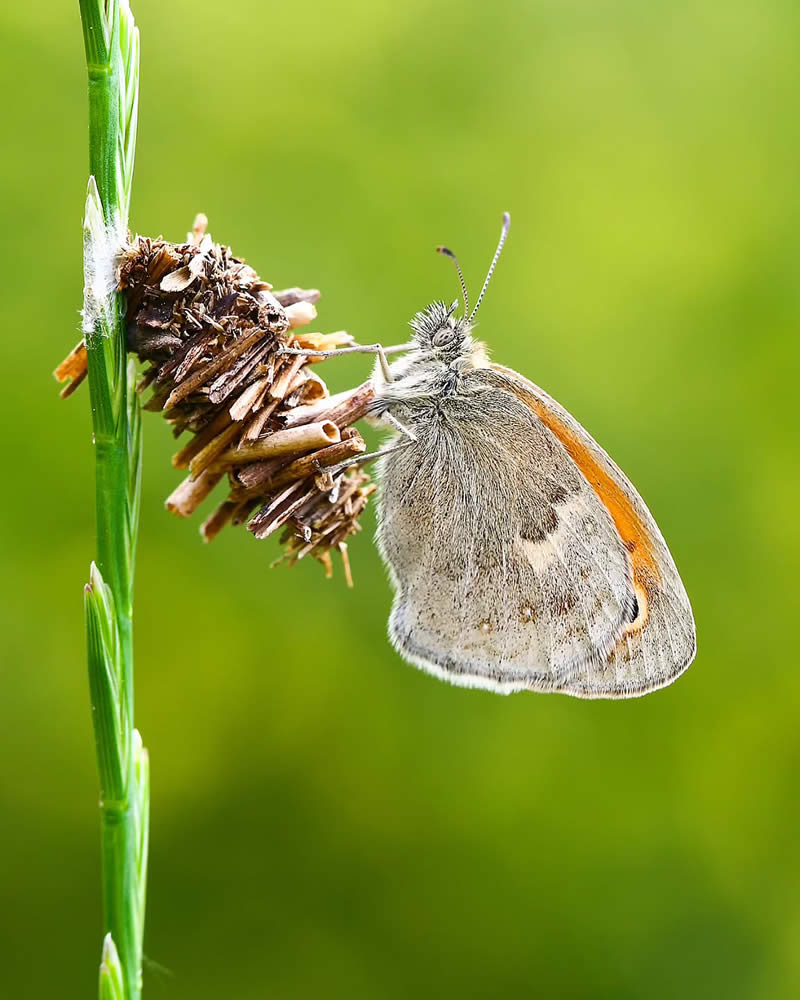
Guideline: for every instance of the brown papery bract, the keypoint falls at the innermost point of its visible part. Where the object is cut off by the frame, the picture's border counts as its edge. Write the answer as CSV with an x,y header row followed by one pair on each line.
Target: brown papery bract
x,y
211,336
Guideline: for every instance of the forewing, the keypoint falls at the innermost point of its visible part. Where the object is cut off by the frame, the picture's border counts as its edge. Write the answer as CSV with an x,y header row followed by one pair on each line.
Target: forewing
x,y
660,643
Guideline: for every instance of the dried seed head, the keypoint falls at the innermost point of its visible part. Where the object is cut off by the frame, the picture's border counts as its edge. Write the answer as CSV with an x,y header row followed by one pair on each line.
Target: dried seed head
x,y
212,335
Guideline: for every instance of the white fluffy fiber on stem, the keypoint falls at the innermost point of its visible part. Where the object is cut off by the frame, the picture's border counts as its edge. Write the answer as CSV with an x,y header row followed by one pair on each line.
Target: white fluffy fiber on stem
x,y
102,244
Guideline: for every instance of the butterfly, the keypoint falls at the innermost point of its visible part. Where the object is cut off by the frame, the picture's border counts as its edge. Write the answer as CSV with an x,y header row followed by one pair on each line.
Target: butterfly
x,y
521,556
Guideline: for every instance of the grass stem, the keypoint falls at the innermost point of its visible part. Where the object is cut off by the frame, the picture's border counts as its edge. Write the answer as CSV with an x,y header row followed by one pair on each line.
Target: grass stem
x,y
112,58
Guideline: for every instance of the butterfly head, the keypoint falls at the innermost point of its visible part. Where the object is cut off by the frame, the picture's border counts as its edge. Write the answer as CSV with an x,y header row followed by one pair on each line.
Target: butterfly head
x,y
437,328
444,351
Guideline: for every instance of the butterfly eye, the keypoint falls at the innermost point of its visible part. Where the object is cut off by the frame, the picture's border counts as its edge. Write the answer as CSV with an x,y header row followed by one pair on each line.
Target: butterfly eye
x,y
443,336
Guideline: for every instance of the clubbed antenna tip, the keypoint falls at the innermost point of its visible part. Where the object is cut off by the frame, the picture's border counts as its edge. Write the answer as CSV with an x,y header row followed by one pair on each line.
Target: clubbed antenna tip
x,y
498,251
452,256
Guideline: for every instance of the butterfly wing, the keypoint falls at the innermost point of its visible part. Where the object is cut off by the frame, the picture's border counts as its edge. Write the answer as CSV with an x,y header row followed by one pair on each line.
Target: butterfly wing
x,y
510,568
661,643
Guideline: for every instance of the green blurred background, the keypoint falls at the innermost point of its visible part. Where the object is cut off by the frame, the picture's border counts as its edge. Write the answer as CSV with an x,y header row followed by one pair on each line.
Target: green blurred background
x,y
327,821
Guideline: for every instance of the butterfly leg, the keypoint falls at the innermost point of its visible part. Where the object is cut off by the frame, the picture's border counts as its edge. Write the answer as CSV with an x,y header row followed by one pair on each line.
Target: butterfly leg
x,y
334,470
355,349
391,419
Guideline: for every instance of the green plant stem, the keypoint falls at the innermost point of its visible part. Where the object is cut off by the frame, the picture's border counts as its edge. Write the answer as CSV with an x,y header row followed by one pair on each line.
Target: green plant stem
x,y
111,45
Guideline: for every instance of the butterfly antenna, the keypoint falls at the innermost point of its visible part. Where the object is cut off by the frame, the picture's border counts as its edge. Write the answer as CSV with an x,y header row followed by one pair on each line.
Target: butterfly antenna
x,y
452,256
493,265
